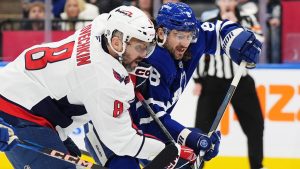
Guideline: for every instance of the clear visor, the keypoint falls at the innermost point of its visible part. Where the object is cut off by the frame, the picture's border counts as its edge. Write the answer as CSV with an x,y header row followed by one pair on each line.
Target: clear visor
x,y
191,36
144,49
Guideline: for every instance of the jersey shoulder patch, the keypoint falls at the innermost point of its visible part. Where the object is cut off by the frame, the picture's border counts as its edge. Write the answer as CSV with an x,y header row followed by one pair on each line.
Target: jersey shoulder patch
x,y
121,78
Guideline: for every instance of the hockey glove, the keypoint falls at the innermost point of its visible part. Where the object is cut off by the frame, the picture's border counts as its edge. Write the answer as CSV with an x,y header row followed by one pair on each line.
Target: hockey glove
x,y
214,150
187,154
140,75
8,139
245,47
72,148
187,157
201,142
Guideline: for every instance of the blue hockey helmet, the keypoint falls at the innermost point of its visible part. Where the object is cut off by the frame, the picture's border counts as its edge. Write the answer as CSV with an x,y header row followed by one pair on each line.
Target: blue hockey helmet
x,y
177,16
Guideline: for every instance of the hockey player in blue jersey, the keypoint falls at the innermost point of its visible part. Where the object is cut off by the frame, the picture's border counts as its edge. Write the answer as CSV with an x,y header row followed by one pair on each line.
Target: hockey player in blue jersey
x,y
181,45
181,42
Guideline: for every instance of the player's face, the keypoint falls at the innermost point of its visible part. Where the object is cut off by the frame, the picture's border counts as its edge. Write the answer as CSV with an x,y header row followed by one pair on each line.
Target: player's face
x,y
178,42
135,52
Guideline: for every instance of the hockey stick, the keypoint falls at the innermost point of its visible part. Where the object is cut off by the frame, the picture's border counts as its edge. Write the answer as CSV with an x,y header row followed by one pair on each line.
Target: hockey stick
x,y
222,109
164,158
162,127
59,155
152,114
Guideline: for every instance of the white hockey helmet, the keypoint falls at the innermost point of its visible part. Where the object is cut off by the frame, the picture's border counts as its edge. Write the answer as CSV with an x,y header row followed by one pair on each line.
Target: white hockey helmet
x,y
133,23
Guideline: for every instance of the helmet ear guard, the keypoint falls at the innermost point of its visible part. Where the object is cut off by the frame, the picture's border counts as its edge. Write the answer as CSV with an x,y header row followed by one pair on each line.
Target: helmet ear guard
x,y
109,35
159,42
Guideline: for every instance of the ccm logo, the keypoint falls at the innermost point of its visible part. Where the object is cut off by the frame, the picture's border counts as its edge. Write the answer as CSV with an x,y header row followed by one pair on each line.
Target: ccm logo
x,y
145,73
74,160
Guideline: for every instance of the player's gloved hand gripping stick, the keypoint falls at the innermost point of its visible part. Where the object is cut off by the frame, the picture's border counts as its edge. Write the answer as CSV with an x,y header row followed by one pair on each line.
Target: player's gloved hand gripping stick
x,y
222,109
185,152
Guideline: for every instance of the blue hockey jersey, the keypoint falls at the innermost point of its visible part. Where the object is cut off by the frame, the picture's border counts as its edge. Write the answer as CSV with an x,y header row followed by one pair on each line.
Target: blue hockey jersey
x,y
169,77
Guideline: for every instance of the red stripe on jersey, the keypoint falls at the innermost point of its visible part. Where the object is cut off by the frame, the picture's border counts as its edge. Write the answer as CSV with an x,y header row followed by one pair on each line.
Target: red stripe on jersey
x,y
134,125
151,136
19,112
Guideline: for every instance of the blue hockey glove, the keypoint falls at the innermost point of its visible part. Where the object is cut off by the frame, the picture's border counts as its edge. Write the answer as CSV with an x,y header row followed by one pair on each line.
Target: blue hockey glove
x,y
8,139
72,148
201,142
245,47
198,142
214,150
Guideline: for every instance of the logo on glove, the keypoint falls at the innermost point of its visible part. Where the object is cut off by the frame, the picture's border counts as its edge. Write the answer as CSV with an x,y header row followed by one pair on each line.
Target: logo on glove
x,y
204,144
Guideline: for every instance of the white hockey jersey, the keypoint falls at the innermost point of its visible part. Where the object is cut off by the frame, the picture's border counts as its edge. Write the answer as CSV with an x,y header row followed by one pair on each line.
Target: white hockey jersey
x,y
67,83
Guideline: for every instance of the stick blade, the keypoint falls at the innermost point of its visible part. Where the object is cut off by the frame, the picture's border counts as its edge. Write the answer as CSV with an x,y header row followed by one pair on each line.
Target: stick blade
x,y
167,157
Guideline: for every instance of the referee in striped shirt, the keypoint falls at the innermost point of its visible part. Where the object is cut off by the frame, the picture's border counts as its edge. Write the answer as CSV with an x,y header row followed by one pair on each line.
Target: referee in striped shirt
x,y
214,75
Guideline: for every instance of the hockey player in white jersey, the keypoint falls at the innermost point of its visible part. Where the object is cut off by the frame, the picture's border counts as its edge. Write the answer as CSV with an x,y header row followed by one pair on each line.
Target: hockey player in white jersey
x,y
52,88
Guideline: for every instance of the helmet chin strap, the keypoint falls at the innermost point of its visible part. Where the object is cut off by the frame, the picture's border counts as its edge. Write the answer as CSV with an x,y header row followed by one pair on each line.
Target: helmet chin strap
x,y
121,55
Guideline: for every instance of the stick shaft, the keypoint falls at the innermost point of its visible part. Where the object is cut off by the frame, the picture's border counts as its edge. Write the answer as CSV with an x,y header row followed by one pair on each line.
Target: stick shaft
x,y
155,118
223,107
58,155
227,98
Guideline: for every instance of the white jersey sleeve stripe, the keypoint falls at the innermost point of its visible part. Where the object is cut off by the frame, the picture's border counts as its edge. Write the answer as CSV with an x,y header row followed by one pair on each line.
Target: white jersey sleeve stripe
x,y
149,119
218,47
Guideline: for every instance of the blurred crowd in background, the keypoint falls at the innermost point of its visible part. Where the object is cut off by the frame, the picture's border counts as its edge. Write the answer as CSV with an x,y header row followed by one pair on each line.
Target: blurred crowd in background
x,y
69,15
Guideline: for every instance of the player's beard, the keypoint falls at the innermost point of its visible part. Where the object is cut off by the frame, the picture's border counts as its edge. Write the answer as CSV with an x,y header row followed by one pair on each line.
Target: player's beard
x,y
175,52
125,61
126,64
129,65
